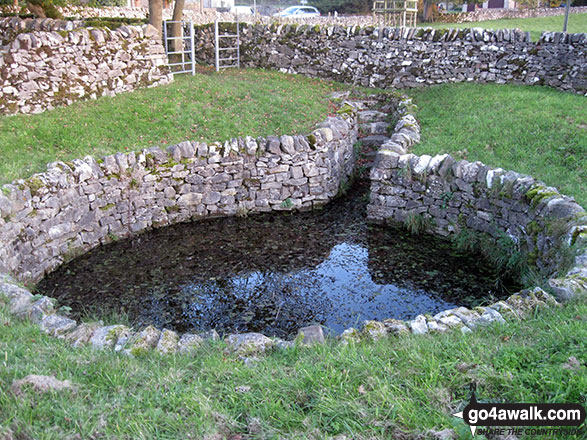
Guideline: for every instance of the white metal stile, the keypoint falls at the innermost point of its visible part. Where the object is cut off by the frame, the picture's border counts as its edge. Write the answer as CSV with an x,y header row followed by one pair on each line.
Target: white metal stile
x,y
187,53
220,59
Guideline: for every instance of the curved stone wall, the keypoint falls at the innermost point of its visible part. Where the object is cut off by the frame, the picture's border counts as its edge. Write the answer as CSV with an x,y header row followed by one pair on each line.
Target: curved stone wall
x,y
449,195
74,206
405,58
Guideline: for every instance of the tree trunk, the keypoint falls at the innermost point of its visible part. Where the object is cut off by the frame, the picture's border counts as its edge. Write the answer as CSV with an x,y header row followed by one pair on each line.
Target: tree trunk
x,y
428,11
156,14
177,29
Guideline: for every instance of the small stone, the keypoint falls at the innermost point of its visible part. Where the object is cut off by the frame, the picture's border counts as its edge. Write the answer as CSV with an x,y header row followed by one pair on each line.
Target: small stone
x,y
569,287
40,384
351,334
106,337
465,329
419,325
19,304
287,144
56,325
189,342
310,335
145,341
82,334
469,317
246,344
167,342
445,434
434,326
374,330
242,389
396,326
572,364
490,316
37,310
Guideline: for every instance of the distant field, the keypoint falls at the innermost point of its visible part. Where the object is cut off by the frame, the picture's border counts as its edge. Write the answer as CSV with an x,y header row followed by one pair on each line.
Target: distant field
x,y
577,23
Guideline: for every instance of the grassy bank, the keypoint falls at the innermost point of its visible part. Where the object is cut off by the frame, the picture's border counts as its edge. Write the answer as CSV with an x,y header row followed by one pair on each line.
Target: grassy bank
x,y
397,388
577,23
532,130
212,107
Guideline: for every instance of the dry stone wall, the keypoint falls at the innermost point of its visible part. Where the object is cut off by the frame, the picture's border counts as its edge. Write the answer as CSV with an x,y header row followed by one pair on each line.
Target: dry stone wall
x,y
498,14
446,196
47,63
72,207
401,58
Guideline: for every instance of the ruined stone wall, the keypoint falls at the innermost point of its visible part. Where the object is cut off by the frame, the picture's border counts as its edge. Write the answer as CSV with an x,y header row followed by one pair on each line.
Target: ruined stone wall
x,y
75,206
46,63
498,14
401,58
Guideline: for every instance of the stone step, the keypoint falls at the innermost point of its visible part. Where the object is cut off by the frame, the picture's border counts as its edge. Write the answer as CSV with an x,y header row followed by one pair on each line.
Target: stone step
x,y
374,127
374,140
364,104
372,116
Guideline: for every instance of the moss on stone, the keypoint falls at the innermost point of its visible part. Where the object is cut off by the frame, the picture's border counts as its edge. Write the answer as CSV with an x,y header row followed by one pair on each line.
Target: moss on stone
x,y
538,193
34,184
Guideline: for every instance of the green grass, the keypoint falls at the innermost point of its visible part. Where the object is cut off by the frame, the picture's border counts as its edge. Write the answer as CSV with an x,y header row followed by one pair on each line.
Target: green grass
x,y
212,107
369,390
577,23
532,130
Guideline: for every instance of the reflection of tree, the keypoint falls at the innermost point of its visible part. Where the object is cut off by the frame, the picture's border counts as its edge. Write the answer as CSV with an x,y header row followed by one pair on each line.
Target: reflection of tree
x,y
271,303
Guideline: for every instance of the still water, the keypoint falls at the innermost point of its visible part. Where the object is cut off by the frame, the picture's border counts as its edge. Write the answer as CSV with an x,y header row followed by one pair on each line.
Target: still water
x,y
273,273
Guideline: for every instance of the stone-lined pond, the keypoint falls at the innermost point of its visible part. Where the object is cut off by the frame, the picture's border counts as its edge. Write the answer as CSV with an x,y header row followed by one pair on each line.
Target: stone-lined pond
x,y
273,273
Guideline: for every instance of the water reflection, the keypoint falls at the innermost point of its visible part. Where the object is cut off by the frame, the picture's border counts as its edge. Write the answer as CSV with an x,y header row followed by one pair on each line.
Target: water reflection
x,y
272,274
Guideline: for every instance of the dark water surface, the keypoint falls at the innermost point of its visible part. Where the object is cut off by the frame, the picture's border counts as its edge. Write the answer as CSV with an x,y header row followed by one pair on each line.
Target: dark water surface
x,y
273,274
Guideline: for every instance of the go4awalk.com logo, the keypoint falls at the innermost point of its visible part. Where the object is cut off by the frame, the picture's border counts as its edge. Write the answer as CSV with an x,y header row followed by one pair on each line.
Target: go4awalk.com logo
x,y
526,419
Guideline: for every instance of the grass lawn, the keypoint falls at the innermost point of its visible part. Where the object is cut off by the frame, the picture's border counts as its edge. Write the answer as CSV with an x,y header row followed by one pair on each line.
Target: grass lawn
x,y
395,388
577,23
207,107
532,130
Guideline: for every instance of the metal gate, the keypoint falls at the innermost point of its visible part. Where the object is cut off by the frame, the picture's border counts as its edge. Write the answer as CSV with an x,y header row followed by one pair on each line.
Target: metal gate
x,y
180,49
227,48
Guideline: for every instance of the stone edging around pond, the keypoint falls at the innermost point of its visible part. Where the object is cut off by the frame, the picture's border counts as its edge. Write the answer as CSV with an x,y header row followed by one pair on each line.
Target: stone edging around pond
x,y
123,339
41,310
450,195
57,215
